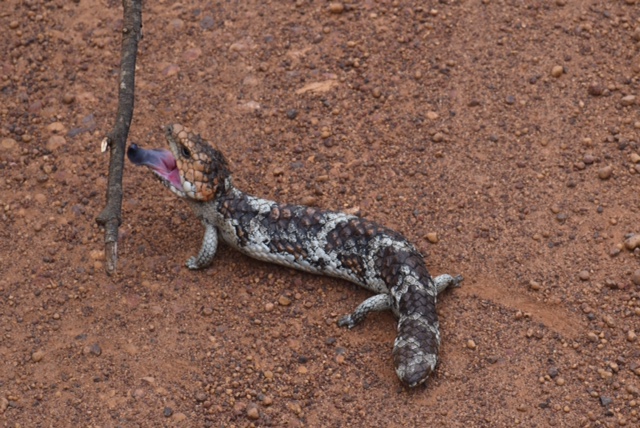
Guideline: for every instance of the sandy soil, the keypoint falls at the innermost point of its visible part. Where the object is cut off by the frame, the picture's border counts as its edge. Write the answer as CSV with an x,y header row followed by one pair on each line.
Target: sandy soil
x,y
502,137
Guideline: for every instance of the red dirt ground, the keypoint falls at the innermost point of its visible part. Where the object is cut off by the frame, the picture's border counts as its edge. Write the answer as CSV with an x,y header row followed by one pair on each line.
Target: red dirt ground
x,y
506,132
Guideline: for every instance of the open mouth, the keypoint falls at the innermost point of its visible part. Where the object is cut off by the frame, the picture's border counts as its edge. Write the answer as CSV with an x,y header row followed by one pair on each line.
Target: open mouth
x,y
161,161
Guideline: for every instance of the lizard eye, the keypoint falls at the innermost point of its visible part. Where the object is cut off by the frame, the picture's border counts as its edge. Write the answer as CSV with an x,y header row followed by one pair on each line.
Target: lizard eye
x,y
185,152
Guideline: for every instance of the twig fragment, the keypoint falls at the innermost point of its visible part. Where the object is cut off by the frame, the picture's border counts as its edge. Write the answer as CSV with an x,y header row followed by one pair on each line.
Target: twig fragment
x,y
111,216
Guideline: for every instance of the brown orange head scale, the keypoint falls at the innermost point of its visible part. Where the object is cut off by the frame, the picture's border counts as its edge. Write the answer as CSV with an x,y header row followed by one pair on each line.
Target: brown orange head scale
x,y
192,169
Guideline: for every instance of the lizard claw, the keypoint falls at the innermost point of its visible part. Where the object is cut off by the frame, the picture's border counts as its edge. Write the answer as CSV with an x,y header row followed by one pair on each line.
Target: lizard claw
x,y
346,321
192,263
457,281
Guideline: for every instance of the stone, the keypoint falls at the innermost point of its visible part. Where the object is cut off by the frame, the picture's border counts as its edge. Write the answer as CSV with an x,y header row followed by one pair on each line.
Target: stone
x,y
595,89
557,71
628,100
191,55
631,336
632,242
437,137
170,70
55,142
336,8
252,411
284,301
8,145
56,127
605,172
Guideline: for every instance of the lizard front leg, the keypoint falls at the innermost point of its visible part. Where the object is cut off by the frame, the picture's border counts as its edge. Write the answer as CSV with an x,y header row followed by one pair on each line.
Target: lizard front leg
x,y
444,281
208,249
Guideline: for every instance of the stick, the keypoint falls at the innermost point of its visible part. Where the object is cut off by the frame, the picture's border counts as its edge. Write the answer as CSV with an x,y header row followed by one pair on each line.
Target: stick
x,y
111,216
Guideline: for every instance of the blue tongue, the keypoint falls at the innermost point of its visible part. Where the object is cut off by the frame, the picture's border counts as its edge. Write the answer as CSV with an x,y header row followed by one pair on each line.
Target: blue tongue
x,y
154,158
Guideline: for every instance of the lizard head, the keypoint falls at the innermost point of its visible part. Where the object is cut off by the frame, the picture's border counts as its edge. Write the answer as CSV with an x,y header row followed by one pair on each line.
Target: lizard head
x,y
191,169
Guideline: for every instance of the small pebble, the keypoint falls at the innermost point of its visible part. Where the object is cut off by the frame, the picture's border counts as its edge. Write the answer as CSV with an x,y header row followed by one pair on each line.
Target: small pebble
x,y
534,285
179,417
93,350
608,319
471,344
634,157
149,379
631,336
56,127
55,142
584,275
176,24
309,200
269,307
628,100
8,144
432,115
605,401
191,55
560,381
557,71
432,237
284,301
635,278
252,411
605,172
170,70
37,356
632,242
208,311
201,396
596,89
437,137
68,98
167,412
336,8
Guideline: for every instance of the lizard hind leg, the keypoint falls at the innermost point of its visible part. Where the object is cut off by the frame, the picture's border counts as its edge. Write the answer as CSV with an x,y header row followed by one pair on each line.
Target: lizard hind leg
x,y
379,302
